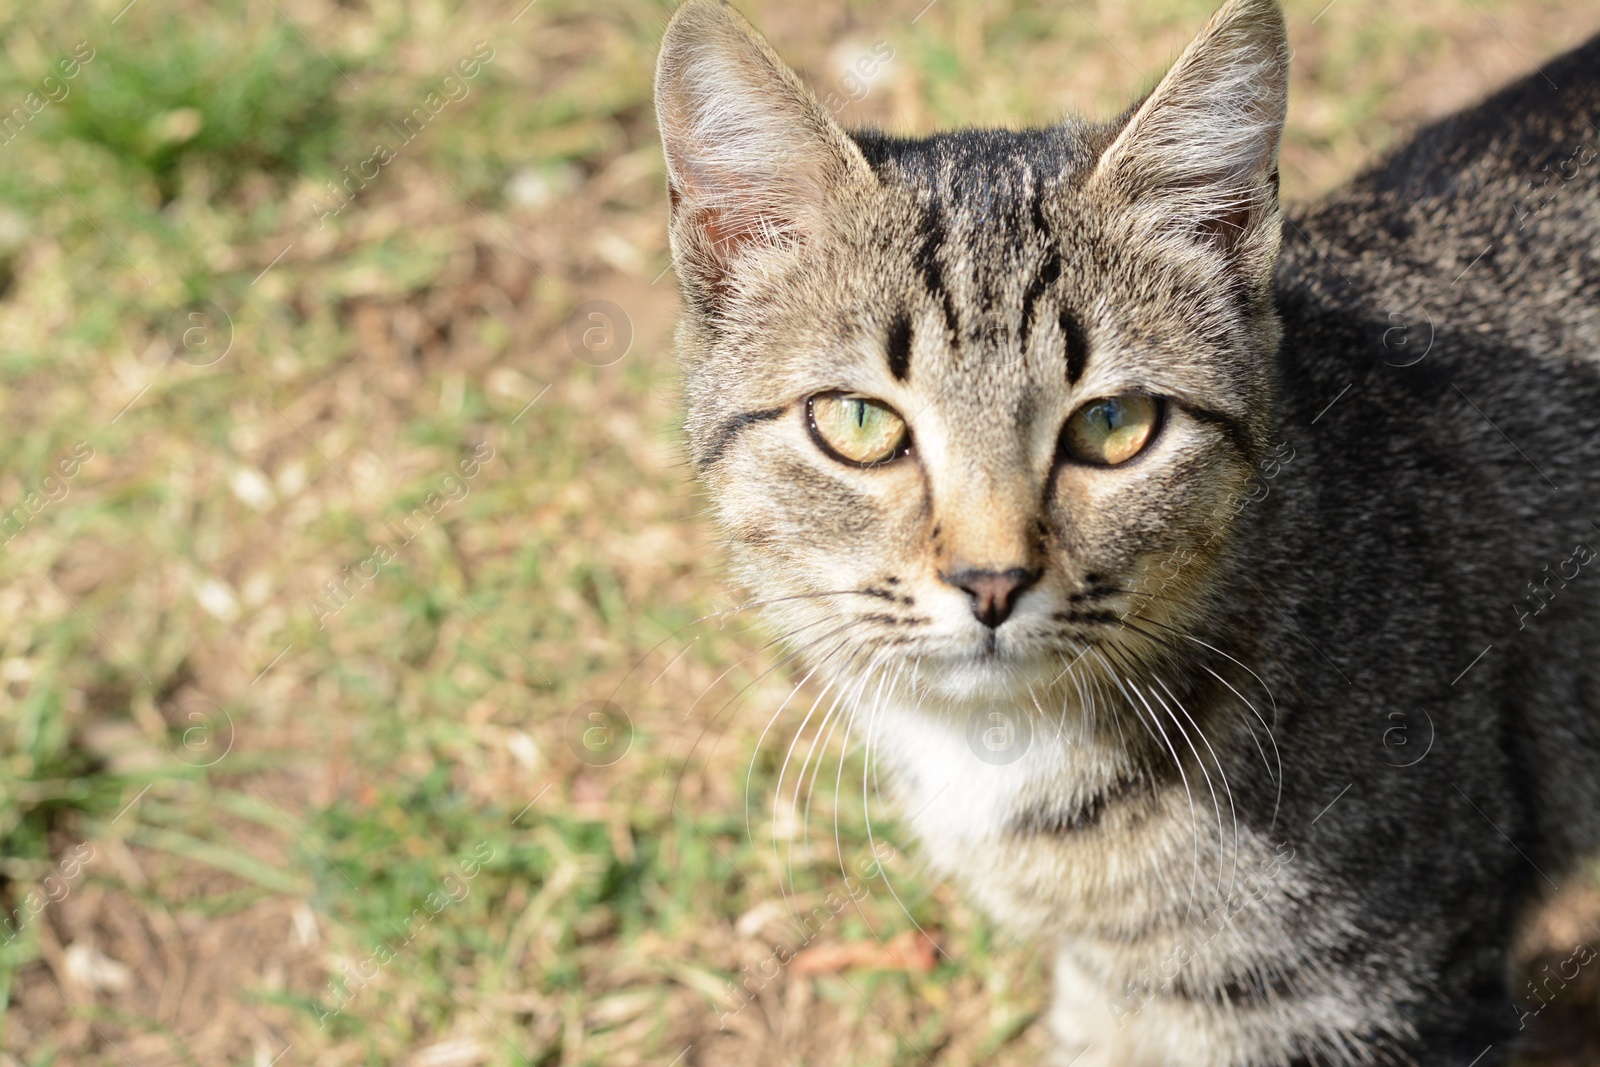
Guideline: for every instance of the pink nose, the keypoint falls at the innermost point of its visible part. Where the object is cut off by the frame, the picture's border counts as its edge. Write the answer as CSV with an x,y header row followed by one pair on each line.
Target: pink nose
x,y
993,593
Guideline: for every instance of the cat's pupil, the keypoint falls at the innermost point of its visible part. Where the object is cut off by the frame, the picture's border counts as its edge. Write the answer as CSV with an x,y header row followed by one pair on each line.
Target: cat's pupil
x,y
1110,417
861,413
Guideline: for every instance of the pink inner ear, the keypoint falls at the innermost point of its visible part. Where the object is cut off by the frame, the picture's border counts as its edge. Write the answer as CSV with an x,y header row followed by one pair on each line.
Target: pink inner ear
x,y
728,213
724,235
717,240
1225,230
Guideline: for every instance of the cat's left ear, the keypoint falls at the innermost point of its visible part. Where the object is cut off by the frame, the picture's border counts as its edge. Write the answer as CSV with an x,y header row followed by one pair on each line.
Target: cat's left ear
x,y
1199,157
753,160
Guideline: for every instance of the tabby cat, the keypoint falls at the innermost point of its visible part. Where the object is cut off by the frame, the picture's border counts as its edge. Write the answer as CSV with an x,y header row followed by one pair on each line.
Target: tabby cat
x,y
1216,584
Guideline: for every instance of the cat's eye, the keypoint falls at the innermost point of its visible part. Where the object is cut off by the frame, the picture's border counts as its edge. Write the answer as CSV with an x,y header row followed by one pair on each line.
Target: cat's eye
x,y
857,429
1111,430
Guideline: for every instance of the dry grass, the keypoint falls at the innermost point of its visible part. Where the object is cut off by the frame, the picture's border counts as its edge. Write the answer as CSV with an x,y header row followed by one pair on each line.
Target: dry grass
x,y
272,790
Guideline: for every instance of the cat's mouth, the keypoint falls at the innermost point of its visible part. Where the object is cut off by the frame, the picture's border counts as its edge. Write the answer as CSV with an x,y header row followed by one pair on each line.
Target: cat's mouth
x,y
994,669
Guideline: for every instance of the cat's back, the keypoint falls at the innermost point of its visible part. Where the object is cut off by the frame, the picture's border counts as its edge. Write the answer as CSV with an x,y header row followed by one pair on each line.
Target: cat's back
x,y
1440,388
1446,306
1488,220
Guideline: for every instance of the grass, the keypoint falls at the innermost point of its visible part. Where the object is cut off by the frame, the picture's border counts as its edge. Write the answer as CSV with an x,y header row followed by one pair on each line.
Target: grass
x,y
166,91
287,773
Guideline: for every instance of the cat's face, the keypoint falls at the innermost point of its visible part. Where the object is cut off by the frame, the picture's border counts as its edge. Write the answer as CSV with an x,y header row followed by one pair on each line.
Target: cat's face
x,y
973,409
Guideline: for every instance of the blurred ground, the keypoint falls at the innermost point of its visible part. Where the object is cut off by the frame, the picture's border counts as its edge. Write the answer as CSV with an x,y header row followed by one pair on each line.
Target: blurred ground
x,y
370,693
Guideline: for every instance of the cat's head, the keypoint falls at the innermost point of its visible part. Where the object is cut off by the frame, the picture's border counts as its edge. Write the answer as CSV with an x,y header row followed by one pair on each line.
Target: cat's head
x,y
965,403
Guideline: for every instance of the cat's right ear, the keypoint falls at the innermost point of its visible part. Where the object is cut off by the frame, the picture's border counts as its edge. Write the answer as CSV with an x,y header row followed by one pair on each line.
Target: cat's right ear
x,y
753,160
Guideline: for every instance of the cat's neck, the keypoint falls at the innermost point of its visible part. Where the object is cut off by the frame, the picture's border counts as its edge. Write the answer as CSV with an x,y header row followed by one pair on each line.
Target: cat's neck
x,y
962,778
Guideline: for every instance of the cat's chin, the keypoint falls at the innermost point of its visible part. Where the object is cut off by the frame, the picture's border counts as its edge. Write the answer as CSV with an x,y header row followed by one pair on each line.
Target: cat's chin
x,y
976,679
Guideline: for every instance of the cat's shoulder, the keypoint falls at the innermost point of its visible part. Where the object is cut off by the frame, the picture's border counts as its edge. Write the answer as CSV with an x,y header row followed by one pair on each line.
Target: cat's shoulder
x,y
1529,155
1489,217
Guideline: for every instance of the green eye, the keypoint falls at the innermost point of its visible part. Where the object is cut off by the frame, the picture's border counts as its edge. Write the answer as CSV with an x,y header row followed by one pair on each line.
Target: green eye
x,y
1111,430
857,429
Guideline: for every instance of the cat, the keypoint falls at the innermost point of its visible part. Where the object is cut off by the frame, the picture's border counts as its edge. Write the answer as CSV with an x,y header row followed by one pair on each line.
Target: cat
x,y
1216,585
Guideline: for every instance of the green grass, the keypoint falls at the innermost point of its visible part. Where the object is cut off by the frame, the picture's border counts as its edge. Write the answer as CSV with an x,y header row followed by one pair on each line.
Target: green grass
x,y
271,790
171,90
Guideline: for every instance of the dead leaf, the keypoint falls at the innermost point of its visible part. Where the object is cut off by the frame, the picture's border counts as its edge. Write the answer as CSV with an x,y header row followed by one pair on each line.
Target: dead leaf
x,y
909,951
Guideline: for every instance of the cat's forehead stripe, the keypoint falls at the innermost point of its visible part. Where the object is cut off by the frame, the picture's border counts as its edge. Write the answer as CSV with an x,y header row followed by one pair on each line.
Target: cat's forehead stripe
x,y
1049,272
931,235
1077,346
898,346
996,216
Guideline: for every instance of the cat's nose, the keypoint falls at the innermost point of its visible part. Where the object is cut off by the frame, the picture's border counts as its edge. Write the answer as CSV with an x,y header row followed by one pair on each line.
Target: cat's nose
x,y
993,593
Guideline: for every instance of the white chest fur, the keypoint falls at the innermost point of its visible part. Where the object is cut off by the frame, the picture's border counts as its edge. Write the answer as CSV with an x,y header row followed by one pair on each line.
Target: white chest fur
x,y
961,782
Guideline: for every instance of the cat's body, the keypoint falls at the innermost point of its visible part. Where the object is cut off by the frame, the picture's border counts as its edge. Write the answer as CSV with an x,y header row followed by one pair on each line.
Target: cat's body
x,y
1399,557
1284,745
